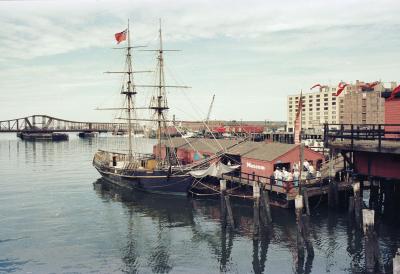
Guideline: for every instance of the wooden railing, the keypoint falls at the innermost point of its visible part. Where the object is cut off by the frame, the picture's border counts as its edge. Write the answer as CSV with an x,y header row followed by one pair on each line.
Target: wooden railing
x,y
357,132
273,184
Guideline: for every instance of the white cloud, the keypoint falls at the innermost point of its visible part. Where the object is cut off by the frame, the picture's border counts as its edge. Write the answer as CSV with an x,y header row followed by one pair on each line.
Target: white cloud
x,y
263,48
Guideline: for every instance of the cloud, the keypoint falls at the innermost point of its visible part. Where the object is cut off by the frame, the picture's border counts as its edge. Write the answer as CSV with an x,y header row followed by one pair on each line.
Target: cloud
x,y
259,49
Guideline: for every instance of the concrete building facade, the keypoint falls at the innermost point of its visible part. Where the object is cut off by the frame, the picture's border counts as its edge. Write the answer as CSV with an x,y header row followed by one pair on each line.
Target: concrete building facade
x,y
359,103
362,104
319,107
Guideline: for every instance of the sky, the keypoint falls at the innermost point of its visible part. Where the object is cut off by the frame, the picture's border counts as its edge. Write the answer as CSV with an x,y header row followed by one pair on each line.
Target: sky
x,y
250,54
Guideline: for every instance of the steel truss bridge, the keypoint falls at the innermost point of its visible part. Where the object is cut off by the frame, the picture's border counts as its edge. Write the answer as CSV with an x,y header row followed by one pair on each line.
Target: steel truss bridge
x,y
45,123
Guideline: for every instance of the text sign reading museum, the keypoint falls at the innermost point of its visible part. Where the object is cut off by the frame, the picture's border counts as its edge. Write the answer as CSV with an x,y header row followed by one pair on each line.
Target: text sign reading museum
x,y
254,166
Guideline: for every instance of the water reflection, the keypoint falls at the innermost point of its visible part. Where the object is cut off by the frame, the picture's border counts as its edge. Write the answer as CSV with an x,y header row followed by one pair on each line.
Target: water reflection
x,y
197,214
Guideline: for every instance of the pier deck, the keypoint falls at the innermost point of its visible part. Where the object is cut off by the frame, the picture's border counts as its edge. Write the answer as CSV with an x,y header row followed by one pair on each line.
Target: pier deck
x,y
314,187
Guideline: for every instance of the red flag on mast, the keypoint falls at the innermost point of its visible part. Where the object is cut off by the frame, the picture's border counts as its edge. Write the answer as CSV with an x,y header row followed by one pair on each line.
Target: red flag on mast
x,y
121,36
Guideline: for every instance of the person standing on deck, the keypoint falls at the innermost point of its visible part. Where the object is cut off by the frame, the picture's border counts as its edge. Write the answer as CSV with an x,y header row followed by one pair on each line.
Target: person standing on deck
x,y
285,174
278,176
296,175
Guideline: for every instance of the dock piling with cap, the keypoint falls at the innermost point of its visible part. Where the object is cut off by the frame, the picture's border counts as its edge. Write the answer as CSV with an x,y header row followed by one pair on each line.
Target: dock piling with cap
x,y
371,241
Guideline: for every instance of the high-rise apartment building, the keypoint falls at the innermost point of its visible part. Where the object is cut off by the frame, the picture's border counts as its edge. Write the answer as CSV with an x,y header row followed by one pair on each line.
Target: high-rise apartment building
x,y
319,107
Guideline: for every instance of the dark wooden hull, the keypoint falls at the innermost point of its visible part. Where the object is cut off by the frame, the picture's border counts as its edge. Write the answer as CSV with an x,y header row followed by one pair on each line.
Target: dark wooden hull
x,y
156,182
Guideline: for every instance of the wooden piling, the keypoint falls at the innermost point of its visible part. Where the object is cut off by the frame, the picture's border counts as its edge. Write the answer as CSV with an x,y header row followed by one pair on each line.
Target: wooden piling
x,y
229,211
256,190
351,205
357,203
256,217
305,197
396,262
264,196
371,242
306,235
226,210
300,241
333,194
223,209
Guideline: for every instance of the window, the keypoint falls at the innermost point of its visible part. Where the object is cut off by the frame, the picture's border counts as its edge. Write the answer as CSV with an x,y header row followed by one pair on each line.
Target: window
x,y
325,104
318,105
333,103
317,108
325,95
325,108
326,100
318,100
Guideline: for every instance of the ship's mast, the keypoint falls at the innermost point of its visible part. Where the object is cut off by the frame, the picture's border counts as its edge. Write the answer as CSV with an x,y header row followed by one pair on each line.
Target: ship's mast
x,y
129,92
161,102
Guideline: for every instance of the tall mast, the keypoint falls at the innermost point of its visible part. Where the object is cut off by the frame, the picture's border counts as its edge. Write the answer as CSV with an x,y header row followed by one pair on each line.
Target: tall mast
x,y
159,101
129,92
161,98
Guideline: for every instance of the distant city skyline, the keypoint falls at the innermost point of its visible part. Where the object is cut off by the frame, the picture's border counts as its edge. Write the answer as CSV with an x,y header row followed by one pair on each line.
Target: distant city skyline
x,y
250,54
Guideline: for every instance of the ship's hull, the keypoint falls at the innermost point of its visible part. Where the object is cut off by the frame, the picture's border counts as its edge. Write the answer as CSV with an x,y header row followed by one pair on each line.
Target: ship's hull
x,y
156,182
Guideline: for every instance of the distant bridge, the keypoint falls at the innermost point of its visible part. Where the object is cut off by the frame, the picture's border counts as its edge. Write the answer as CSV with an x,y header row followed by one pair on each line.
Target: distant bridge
x,y
45,123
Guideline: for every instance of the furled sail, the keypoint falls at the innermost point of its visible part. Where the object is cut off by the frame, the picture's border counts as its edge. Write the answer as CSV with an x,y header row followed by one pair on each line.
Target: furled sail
x,y
215,170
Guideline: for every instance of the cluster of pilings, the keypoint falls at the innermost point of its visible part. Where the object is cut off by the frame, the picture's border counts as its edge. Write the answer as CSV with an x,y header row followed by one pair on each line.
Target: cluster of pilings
x,y
384,199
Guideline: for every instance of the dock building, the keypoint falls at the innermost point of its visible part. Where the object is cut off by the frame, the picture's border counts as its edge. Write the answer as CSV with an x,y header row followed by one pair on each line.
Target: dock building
x,y
254,158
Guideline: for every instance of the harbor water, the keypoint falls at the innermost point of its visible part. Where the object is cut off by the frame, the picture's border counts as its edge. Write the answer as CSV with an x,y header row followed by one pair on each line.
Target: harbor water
x,y
53,220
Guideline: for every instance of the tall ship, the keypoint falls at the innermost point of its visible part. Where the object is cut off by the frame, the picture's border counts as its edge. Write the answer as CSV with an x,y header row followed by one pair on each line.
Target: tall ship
x,y
153,172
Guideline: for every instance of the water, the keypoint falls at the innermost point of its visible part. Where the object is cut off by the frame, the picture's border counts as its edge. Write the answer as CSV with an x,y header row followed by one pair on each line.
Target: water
x,y
52,220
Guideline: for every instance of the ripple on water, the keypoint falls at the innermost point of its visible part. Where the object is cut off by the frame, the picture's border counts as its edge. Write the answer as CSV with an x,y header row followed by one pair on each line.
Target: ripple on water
x,y
52,220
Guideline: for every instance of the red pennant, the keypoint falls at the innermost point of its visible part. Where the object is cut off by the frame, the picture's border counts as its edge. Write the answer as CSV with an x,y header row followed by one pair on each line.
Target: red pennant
x,y
121,36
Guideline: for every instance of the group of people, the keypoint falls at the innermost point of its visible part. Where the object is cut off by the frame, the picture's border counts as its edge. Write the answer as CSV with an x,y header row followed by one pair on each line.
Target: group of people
x,y
281,176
